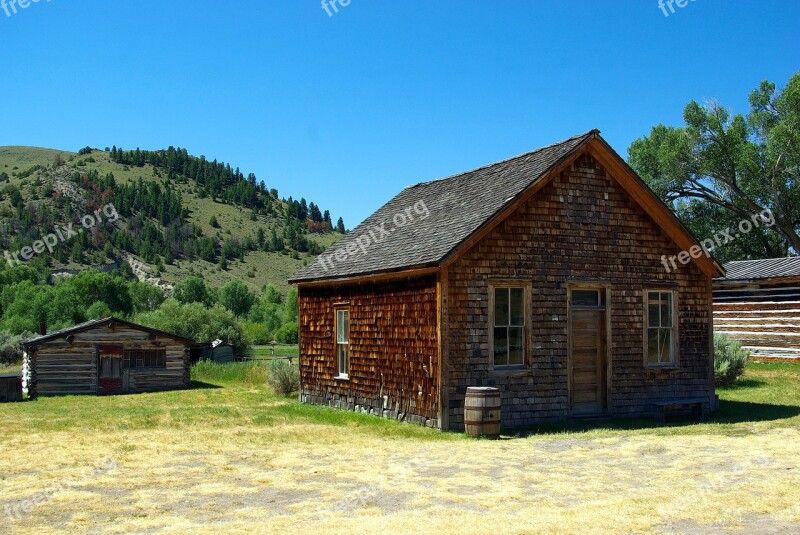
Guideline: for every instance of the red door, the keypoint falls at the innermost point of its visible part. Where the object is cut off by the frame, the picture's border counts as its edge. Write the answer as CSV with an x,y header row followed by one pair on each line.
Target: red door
x,y
109,369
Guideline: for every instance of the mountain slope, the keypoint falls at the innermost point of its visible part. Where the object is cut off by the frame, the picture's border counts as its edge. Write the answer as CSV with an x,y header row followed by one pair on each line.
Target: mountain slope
x,y
219,225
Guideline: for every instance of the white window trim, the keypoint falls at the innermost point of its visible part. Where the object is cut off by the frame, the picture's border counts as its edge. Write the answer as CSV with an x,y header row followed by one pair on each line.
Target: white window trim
x,y
340,375
526,287
674,346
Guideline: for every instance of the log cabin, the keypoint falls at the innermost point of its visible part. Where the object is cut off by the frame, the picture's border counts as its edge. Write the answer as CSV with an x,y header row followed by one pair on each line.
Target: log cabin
x,y
540,275
758,304
105,357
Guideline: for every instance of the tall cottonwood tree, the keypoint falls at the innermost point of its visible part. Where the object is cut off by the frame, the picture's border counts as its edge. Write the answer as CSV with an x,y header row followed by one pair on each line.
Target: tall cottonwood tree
x,y
722,168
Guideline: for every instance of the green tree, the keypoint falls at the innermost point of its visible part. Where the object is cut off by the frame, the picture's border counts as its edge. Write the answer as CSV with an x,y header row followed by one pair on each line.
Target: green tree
x,y
340,226
271,295
145,297
236,297
720,169
25,305
192,289
287,334
99,310
291,306
197,322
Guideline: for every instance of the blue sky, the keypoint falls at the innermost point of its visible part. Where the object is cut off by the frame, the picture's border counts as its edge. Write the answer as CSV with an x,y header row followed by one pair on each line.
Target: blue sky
x,y
346,110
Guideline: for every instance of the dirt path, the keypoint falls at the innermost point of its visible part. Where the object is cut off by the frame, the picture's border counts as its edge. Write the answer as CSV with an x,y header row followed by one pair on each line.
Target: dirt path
x,y
299,480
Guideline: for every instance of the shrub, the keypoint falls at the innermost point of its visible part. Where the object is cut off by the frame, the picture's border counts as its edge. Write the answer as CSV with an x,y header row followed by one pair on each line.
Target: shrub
x,y
197,322
729,360
257,333
10,348
287,334
284,377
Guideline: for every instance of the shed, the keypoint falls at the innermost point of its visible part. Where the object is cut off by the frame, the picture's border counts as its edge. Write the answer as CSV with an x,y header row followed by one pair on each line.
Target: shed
x,y
221,352
758,303
10,387
107,356
541,275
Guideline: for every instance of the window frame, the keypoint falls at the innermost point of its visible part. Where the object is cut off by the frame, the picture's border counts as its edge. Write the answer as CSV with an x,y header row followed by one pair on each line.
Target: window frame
x,y
146,358
342,375
525,286
674,329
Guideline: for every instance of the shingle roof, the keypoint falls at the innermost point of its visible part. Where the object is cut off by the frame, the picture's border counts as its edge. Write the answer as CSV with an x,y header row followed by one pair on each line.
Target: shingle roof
x,y
96,323
762,269
457,206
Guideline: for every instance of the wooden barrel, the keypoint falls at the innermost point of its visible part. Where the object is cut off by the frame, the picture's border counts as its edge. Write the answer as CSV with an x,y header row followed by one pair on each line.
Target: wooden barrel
x,y
482,412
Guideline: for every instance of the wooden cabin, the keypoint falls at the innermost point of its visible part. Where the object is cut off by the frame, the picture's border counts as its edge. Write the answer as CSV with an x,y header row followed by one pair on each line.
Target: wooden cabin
x,y
105,357
541,275
758,303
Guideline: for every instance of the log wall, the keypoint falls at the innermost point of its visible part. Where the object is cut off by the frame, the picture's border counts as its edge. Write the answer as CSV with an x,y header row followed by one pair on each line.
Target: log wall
x,y
393,349
764,317
583,226
59,367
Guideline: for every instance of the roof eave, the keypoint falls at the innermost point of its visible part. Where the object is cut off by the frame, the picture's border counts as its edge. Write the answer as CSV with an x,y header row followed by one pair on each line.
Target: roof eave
x,y
406,272
91,325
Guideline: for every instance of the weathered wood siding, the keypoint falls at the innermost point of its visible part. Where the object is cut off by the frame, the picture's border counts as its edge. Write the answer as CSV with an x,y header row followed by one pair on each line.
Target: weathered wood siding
x,y
59,367
393,349
764,317
582,226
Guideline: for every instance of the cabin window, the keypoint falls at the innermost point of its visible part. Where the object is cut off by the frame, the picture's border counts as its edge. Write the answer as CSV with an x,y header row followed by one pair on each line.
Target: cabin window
x,y
146,358
343,343
660,321
508,326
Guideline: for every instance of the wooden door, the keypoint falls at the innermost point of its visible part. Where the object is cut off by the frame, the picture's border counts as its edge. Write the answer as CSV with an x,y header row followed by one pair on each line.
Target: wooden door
x,y
109,370
588,360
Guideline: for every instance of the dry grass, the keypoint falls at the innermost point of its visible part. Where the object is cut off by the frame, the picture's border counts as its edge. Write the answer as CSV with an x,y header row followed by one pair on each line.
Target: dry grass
x,y
238,460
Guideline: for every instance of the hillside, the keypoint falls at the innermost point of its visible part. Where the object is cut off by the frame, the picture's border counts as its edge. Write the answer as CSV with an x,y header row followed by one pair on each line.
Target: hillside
x,y
214,222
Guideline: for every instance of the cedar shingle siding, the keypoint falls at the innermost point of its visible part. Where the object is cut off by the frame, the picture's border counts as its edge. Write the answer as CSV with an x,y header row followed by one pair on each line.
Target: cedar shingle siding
x,y
566,217
568,232
393,345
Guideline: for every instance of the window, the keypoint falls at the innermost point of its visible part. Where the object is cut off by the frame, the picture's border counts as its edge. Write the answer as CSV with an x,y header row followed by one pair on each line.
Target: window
x,y
146,358
586,298
343,343
508,323
659,311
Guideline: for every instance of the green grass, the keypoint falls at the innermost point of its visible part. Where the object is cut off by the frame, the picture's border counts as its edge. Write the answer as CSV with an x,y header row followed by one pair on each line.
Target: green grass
x,y
23,158
14,367
250,373
228,455
281,350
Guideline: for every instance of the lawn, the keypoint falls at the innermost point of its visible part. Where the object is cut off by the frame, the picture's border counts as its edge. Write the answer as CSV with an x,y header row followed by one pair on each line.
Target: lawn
x,y
229,457
281,350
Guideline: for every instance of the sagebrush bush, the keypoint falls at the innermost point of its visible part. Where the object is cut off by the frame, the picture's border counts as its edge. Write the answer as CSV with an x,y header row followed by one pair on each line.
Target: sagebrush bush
x,y
730,360
284,377
10,348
